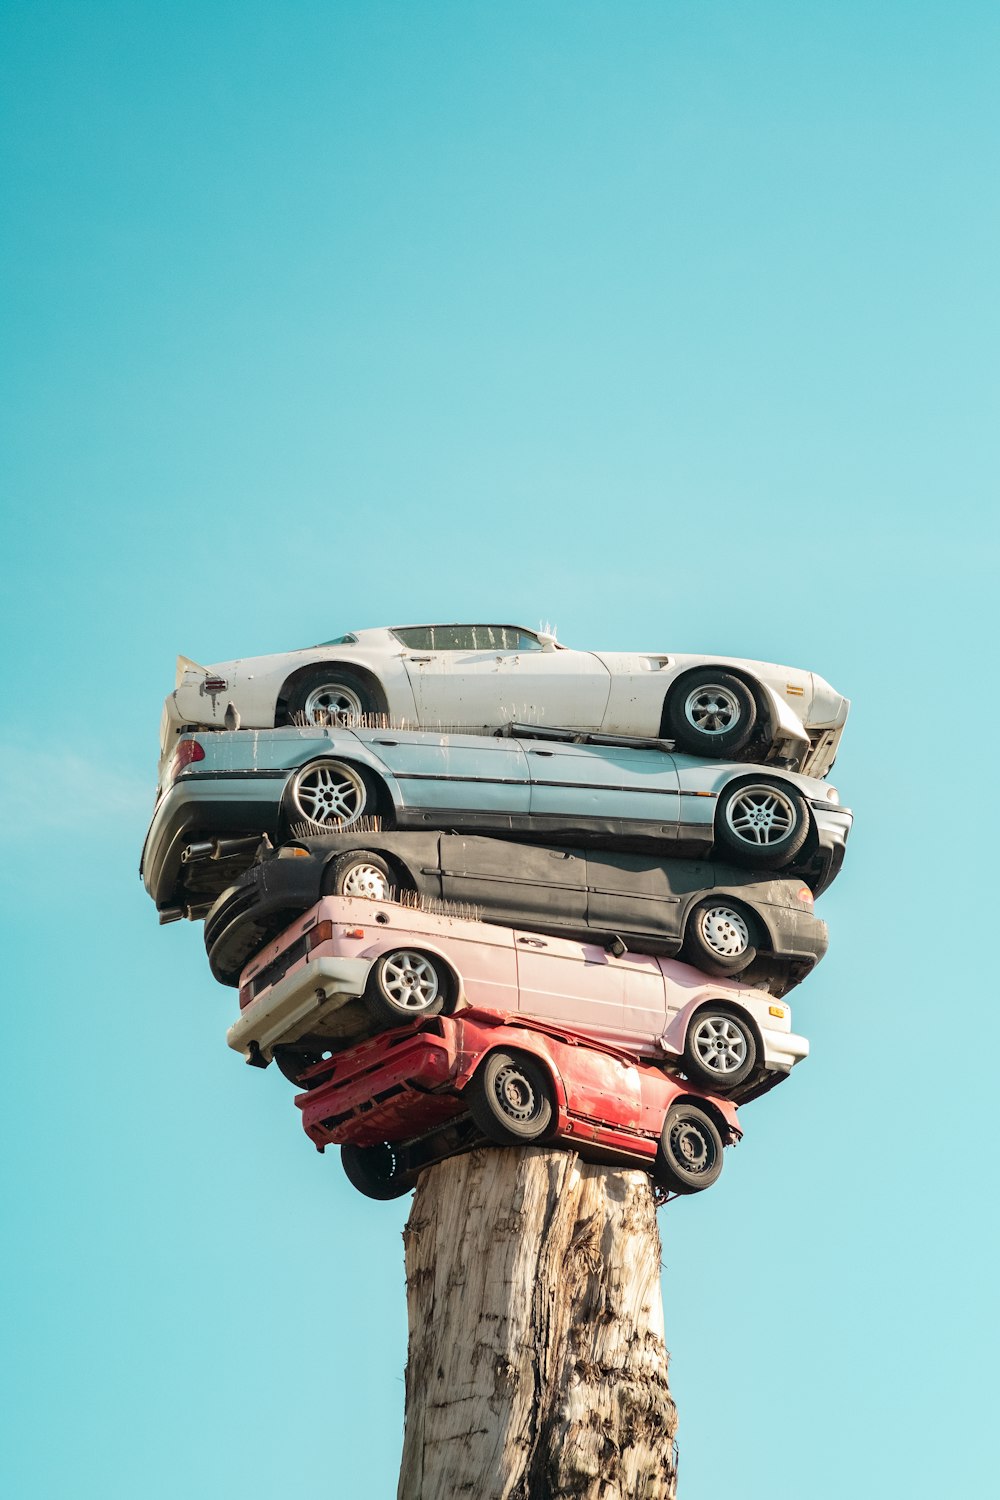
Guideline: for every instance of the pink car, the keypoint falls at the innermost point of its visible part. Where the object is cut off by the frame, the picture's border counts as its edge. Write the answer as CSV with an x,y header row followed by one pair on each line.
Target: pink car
x,y
351,967
418,1094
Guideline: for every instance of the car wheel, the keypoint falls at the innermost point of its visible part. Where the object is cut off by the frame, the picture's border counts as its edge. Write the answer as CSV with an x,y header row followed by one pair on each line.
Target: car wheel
x,y
711,713
332,695
375,1171
761,823
718,937
690,1155
358,873
405,985
329,793
292,1062
511,1099
720,1052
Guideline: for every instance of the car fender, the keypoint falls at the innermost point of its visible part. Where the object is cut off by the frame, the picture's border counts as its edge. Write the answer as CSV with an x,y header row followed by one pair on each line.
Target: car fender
x,y
788,734
674,1036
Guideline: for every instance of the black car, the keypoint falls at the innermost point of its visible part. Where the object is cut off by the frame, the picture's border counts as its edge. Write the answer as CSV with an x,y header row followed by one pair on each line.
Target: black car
x,y
718,917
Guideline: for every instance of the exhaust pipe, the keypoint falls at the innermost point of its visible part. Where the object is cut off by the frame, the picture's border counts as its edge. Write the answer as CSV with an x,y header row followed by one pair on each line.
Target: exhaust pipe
x,y
219,849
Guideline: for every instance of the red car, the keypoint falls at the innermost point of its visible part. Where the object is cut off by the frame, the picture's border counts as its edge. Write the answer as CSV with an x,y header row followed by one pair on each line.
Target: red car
x,y
412,1097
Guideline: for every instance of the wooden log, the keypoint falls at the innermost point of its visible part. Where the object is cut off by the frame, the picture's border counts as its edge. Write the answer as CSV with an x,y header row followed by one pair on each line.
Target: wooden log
x,y
537,1368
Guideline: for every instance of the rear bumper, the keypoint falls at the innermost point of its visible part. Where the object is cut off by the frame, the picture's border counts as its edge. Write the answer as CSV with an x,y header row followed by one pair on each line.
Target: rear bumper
x,y
296,1004
194,809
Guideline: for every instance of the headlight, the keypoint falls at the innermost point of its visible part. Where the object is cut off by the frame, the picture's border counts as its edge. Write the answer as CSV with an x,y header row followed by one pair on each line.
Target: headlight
x,y
832,795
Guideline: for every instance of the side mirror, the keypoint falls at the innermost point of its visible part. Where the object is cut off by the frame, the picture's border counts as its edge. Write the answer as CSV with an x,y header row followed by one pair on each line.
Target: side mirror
x,y
547,641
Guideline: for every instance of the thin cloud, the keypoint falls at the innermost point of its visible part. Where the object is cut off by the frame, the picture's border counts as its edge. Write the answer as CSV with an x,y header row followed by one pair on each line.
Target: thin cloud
x,y
63,789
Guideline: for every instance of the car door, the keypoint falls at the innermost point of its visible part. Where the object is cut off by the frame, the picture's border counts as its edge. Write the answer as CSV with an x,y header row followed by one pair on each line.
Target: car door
x,y
642,896
575,985
515,883
483,676
471,773
599,782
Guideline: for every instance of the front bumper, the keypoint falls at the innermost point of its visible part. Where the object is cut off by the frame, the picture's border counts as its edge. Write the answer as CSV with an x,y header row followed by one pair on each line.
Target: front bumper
x,y
297,1004
783,1049
245,918
833,825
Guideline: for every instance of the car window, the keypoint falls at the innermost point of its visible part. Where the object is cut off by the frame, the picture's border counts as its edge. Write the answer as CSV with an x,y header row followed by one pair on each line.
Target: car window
x,y
341,640
468,638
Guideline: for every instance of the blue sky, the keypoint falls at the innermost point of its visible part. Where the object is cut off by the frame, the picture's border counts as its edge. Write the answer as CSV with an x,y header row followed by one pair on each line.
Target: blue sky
x,y
674,324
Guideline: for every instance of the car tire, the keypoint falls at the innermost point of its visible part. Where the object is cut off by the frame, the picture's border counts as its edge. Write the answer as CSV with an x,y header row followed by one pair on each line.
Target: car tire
x,y
720,1050
329,794
690,1156
511,1098
358,873
406,985
710,713
292,1061
719,938
375,1171
761,823
333,695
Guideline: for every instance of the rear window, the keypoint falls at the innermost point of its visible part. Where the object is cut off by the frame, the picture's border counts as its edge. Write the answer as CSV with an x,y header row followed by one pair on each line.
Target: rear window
x,y
468,638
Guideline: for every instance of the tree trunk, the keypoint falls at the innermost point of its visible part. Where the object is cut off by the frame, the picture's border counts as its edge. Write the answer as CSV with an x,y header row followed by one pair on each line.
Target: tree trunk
x,y
537,1368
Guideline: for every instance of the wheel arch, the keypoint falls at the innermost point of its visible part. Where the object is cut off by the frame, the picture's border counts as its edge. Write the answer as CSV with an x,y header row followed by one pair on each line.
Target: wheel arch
x,y
710,1108
403,876
364,675
721,895
537,1055
374,776
767,773
729,1007
762,696
451,976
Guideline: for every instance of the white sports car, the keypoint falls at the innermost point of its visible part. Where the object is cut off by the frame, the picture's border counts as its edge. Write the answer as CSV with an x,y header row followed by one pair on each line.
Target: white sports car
x,y
481,677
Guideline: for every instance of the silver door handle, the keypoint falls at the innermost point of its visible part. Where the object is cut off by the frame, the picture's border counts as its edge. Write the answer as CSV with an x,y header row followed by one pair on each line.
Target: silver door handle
x,y
533,942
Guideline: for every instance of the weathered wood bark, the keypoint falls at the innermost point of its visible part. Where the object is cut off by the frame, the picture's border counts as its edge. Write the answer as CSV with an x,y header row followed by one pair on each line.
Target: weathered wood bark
x,y
537,1368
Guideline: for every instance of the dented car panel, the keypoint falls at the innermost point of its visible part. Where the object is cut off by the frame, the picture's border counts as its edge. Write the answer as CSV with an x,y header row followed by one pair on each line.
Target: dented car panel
x,y
634,1001
237,784
609,1107
577,893
433,676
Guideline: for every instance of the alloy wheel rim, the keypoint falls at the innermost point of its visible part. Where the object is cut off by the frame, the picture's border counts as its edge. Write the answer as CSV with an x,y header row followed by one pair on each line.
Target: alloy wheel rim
x,y
712,709
334,704
720,1045
410,981
330,794
760,816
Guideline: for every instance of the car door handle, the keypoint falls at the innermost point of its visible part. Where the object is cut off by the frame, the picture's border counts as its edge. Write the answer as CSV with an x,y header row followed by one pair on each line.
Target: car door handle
x,y
533,942
541,752
421,659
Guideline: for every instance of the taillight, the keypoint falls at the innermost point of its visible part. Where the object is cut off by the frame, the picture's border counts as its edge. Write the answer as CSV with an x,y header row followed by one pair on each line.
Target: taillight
x,y
805,894
246,995
187,752
321,933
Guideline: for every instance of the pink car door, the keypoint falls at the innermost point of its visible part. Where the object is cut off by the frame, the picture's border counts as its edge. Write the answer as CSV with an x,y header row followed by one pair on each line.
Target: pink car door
x,y
576,985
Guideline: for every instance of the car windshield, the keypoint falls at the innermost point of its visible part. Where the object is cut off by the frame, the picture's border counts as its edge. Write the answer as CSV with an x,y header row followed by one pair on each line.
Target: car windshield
x,y
468,638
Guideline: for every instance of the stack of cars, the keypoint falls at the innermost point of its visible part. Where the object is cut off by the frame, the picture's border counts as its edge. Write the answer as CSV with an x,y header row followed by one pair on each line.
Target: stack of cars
x,y
473,886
